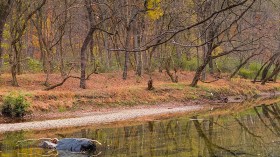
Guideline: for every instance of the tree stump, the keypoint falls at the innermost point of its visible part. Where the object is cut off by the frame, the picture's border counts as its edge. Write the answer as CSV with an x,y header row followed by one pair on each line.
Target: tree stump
x,y
150,84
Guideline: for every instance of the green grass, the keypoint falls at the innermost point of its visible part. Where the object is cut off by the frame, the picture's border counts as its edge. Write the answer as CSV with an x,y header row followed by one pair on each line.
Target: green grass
x,y
178,86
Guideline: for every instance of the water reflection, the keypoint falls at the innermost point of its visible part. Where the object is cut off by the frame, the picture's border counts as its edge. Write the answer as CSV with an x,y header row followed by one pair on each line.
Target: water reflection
x,y
252,132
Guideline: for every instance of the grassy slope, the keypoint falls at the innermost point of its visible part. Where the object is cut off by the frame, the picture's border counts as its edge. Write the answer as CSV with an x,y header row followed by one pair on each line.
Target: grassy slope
x,y
109,90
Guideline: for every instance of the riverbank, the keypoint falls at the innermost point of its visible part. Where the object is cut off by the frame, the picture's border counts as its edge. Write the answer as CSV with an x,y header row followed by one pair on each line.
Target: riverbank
x,y
134,115
109,93
101,118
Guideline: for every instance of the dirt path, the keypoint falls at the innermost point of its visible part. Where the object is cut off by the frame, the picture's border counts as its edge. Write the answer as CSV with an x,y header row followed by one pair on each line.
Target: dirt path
x,y
91,119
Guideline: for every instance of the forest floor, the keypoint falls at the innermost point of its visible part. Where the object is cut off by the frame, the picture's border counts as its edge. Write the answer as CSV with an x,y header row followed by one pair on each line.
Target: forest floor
x,y
108,92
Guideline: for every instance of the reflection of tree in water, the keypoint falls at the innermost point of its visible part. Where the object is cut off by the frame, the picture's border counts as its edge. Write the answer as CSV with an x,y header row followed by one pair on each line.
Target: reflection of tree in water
x,y
248,130
271,113
244,134
207,137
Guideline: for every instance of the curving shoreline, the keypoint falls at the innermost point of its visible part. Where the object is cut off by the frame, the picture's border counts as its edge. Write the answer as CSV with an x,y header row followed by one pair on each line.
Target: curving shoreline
x,y
101,117
97,119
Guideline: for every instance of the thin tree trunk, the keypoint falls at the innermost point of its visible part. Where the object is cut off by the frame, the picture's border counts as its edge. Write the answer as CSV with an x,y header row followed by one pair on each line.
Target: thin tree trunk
x,y
258,73
18,63
86,42
199,71
117,53
48,68
241,65
5,8
138,55
266,70
107,54
271,61
62,68
211,66
14,75
203,72
125,65
13,62
139,64
83,58
275,72
1,39
92,56
126,60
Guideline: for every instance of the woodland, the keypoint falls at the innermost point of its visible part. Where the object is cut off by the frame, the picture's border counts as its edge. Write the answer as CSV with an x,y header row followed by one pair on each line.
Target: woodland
x,y
78,38
82,63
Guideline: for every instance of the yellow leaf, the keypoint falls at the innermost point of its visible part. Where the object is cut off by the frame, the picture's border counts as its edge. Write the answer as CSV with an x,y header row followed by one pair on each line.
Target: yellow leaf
x,y
217,51
154,9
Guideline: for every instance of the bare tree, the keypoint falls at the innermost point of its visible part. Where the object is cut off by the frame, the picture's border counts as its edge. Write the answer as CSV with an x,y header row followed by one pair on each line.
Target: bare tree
x,y
5,8
17,30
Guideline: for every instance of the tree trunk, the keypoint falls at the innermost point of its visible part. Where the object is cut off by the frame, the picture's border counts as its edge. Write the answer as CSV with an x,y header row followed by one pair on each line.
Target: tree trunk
x,y
87,40
5,8
241,65
126,59
13,63
47,68
275,72
92,56
138,54
266,70
271,61
62,68
139,64
203,72
83,58
258,73
199,71
1,39
18,59
211,66
125,65
14,75
107,54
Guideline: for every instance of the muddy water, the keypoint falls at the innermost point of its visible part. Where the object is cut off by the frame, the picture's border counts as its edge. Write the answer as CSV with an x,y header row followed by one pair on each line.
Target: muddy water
x,y
251,132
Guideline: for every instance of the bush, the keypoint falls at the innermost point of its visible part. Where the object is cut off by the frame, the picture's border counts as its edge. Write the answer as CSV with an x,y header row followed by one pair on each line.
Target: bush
x,y
190,65
254,66
231,63
15,105
34,65
245,73
251,71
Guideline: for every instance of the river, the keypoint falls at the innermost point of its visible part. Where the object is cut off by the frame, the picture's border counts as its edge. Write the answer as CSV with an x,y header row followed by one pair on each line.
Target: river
x,y
252,131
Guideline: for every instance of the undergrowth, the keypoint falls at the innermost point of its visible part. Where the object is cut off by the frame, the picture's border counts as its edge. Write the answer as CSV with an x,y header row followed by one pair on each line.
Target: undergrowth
x,y
15,105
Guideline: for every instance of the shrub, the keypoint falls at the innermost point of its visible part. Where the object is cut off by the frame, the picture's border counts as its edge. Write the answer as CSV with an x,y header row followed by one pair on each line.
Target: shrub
x,y
189,65
34,65
15,105
251,71
231,64
245,73
254,66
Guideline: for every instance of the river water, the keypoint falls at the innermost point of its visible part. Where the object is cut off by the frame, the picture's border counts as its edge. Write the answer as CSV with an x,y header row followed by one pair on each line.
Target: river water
x,y
249,131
